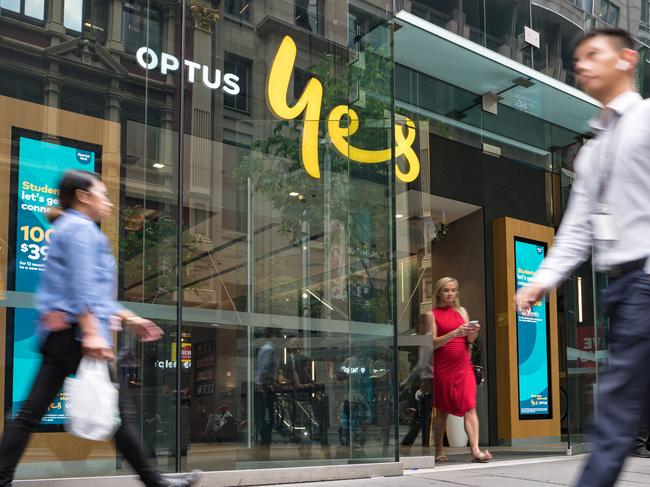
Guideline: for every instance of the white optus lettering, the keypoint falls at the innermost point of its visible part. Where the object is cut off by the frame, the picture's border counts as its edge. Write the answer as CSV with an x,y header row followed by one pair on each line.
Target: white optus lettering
x,y
153,58
230,84
191,69
211,78
168,63
206,78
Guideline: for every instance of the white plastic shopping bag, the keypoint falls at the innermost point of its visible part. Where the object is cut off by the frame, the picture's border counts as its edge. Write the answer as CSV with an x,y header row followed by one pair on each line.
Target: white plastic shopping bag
x,y
93,401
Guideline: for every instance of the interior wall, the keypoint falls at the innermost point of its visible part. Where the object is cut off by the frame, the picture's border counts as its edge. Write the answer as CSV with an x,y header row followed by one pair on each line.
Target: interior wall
x,y
461,254
502,187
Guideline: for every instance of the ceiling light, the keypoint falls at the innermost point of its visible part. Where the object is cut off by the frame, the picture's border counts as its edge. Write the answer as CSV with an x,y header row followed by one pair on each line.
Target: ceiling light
x,y
399,216
158,165
294,194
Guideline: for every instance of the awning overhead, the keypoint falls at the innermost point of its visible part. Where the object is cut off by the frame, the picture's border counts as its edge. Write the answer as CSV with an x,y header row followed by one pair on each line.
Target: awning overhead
x,y
530,99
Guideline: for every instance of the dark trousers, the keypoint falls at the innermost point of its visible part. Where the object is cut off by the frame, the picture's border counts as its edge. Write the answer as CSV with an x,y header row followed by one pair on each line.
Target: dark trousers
x,y
61,357
422,423
625,386
264,412
642,439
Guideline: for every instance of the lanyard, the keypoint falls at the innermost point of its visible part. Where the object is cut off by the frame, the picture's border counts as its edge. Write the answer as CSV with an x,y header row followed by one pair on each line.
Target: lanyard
x,y
607,160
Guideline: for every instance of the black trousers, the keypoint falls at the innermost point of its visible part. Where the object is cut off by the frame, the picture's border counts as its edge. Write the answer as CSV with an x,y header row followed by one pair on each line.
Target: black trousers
x,y
61,357
264,413
422,423
625,386
642,439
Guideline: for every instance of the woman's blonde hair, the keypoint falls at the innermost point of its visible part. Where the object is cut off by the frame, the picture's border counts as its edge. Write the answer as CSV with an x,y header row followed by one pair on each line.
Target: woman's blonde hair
x,y
438,287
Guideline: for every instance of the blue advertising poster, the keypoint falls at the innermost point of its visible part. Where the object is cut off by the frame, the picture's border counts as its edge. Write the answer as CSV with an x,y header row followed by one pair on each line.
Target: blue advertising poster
x,y
532,338
40,166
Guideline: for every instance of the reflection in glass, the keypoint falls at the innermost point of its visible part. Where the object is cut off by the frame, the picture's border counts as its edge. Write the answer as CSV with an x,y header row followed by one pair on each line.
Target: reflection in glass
x,y
13,5
241,67
309,15
86,15
141,26
35,9
239,8
72,13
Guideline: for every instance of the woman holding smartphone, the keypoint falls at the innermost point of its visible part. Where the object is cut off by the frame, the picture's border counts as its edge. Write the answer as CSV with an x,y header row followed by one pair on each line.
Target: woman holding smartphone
x,y
454,382
76,300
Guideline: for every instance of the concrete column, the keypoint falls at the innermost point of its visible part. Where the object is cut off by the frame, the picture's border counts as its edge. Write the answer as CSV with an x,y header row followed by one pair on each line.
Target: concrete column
x,y
168,43
113,102
114,39
55,18
53,87
168,113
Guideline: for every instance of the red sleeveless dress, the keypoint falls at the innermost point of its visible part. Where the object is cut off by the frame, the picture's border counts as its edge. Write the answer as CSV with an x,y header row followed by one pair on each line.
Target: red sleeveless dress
x,y
454,384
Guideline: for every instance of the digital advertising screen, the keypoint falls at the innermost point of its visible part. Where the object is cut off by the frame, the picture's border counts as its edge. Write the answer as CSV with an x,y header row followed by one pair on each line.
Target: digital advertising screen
x,y
38,163
533,359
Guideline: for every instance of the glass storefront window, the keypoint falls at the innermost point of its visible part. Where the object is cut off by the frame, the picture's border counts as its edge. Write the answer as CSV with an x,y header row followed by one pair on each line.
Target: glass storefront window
x,y
292,275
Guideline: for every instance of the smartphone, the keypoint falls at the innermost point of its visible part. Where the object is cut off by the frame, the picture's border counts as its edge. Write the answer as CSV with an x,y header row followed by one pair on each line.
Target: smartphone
x,y
473,324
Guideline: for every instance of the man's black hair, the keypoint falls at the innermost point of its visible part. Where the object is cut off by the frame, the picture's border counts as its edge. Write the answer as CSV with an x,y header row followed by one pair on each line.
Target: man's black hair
x,y
619,37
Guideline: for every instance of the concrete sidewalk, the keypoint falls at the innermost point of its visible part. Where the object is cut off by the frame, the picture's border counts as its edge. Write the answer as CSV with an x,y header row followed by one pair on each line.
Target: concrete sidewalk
x,y
560,471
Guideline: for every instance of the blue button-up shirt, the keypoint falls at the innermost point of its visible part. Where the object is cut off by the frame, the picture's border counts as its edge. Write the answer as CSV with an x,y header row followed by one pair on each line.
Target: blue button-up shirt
x,y
80,275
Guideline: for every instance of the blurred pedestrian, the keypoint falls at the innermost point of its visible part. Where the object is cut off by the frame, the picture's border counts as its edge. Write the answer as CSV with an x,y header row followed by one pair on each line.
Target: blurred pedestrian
x,y
423,372
609,210
76,300
266,378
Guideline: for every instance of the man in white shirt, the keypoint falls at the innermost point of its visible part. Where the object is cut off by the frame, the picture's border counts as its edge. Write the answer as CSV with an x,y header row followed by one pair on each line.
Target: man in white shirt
x,y
609,209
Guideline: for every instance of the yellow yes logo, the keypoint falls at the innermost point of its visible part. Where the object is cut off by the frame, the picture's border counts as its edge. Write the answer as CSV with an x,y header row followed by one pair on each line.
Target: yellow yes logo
x,y
309,105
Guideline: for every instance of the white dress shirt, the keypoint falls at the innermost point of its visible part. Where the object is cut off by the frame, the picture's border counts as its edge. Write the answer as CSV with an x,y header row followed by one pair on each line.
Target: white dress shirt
x,y
623,142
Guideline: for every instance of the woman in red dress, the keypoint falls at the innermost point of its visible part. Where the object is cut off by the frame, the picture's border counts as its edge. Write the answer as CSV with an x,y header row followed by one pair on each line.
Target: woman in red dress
x,y
454,381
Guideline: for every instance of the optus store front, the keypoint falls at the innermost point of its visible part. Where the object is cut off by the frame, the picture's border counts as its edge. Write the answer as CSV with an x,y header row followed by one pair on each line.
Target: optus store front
x,y
248,148
290,179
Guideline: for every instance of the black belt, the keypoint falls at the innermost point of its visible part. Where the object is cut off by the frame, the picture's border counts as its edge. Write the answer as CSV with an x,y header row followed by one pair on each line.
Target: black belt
x,y
620,270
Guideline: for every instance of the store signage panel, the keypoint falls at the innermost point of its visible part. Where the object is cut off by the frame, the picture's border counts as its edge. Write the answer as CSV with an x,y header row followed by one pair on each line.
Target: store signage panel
x,y
309,105
533,359
40,165
211,78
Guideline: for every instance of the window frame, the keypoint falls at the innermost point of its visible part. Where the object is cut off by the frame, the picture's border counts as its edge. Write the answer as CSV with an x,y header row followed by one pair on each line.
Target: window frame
x,y
143,18
238,60
247,18
84,9
28,18
611,7
590,7
320,12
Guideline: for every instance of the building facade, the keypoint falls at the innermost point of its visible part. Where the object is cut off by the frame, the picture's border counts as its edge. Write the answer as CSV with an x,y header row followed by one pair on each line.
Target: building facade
x,y
290,179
